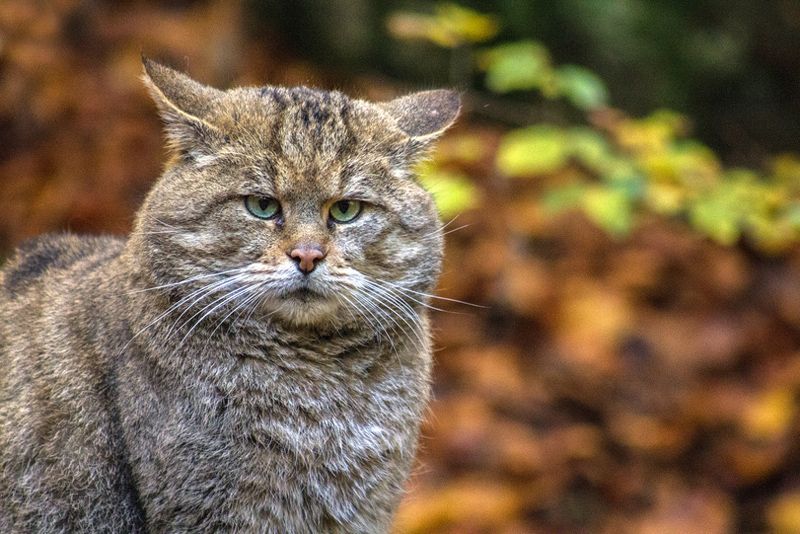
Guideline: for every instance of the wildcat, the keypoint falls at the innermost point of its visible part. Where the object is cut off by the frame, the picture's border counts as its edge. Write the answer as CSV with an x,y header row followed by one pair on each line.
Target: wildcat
x,y
255,356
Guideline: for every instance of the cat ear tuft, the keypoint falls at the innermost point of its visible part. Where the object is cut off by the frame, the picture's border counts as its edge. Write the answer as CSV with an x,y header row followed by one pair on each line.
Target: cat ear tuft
x,y
184,104
426,114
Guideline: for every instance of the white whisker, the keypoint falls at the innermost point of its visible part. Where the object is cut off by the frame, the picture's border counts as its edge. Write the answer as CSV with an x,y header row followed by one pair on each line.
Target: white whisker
x,y
395,304
412,298
213,305
251,290
442,227
456,229
189,280
428,295
203,291
369,309
198,296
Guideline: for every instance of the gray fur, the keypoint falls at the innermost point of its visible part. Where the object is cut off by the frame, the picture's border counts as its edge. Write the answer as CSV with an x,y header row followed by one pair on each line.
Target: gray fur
x,y
133,398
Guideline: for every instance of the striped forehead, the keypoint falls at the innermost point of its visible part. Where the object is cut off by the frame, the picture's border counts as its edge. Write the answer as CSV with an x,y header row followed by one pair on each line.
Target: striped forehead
x,y
308,124
309,143
313,183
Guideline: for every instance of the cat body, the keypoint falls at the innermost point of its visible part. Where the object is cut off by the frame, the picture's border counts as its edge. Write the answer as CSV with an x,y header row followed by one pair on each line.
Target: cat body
x,y
255,356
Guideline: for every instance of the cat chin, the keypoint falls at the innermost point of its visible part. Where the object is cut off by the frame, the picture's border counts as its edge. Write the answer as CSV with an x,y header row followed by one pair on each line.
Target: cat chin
x,y
303,310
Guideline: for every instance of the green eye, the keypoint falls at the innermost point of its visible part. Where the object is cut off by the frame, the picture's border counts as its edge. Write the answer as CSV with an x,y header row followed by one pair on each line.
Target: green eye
x,y
345,211
262,207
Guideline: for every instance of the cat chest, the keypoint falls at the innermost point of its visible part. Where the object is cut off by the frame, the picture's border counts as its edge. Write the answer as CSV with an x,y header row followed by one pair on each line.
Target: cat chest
x,y
258,473
328,433
243,451
332,466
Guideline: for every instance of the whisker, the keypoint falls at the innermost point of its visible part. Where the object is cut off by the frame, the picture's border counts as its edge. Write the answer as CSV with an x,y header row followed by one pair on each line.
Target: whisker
x,y
214,305
376,324
205,292
456,229
189,280
251,288
159,221
156,232
348,302
411,297
245,306
401,308
379,327
375,298
442,227
428,295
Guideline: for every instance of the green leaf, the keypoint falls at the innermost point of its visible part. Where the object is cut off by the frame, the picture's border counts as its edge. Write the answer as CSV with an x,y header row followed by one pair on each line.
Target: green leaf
x,y
609,208
535,150
584,89
564,197
516,66
712,215
591,149
793,215
453,192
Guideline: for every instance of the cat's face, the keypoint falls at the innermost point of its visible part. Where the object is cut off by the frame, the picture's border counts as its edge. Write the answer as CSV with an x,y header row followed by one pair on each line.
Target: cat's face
x,y
293,202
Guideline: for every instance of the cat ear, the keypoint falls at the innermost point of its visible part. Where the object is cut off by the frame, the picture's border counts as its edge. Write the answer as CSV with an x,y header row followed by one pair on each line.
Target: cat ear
x,y
425,115
184,105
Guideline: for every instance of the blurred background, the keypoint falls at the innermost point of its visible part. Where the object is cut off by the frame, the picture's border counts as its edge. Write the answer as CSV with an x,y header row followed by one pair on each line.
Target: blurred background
x,y
622,194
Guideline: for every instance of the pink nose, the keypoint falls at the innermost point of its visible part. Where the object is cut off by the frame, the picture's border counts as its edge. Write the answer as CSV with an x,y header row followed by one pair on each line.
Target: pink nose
x,y
307,256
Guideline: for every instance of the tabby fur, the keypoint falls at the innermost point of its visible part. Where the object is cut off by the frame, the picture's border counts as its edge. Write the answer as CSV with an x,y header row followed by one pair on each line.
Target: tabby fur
x,y
190,378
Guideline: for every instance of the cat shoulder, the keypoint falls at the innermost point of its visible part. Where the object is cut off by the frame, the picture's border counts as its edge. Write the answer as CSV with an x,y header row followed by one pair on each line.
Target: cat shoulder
x,y
49,252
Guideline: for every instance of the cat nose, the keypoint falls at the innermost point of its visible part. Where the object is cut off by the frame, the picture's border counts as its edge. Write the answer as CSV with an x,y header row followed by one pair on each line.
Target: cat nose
x,y
307,256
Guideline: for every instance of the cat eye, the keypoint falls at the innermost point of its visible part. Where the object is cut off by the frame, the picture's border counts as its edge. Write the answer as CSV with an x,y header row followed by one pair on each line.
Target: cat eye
x,y
345,211
262,207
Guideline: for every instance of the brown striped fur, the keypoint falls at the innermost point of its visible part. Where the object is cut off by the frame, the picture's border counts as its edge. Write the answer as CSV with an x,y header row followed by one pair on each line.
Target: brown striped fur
x,y
190,378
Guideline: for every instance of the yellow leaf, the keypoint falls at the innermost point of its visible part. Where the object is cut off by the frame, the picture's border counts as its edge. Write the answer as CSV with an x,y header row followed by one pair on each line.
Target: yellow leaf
x,y
770,415
450,26
665,198
453,192
530,151
783,514
469,25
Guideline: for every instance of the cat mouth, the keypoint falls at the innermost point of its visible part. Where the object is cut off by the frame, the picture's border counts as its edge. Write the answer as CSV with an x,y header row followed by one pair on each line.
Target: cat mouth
x,y
303,305
304,291
303,294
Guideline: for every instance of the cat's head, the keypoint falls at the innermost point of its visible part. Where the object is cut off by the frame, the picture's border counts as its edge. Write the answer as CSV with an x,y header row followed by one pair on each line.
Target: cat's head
x,y
292,201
